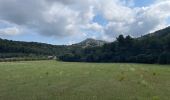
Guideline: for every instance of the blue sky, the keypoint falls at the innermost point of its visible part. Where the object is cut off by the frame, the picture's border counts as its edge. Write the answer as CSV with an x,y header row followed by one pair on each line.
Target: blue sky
x,y
65,22
141,3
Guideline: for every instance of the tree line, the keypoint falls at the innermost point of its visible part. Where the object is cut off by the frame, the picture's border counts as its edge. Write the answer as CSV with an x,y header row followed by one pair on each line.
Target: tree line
x,y
14,49
151,48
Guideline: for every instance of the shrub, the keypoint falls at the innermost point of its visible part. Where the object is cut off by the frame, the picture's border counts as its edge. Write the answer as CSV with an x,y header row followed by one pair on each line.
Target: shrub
x,y
164,58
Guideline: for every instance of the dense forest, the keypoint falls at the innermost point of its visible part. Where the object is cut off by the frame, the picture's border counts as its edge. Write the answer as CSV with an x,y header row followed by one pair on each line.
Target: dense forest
x,y
151,48
10,49
19,49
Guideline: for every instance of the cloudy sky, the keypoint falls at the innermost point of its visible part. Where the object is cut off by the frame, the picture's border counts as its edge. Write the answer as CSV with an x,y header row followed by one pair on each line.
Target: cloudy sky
x,y
71,21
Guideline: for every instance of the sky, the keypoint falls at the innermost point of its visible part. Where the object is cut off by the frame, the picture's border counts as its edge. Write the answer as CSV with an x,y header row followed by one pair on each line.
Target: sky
x,y
63,22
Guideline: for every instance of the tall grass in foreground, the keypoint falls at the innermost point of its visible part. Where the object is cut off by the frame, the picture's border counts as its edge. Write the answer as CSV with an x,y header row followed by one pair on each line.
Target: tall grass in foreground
x,y
51,80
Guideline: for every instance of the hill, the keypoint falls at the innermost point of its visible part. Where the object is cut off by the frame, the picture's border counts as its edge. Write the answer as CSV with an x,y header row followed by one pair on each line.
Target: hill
x,y
9,48
90,43
160,33
163,33
151,48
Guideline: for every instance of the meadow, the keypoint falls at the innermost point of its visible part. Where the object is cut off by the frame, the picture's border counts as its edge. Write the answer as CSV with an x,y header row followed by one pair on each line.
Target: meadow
x,y
53,80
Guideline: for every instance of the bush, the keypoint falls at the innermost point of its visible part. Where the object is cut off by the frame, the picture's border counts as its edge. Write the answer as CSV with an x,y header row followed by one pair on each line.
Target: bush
x,y
164,58
70,57
144,58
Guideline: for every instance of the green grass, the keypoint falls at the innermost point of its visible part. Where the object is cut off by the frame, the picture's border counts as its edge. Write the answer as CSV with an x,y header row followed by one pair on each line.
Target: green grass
x,y
52,80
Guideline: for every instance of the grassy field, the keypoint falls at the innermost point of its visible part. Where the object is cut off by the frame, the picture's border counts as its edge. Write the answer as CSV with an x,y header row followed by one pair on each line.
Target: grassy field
x,y
52,80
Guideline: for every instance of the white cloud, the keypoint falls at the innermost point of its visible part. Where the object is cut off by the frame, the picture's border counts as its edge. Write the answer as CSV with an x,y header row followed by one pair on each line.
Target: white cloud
x,y
145,20
115,11
64,18
94,27
10,31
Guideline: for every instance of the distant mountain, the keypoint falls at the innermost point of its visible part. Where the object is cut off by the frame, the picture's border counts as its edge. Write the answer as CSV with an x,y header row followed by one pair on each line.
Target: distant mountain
x,y
9,48
152,45
90,43
150,48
